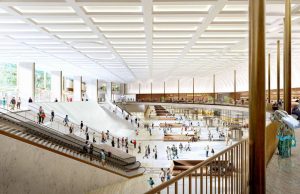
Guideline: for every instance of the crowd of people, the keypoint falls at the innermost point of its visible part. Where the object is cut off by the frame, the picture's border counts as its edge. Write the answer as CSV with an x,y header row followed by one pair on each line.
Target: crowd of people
x,y
14,103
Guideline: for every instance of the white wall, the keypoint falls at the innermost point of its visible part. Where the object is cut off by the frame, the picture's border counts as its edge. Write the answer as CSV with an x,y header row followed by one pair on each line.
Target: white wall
x,y
91,90
26,80
77,88
28,169
56,85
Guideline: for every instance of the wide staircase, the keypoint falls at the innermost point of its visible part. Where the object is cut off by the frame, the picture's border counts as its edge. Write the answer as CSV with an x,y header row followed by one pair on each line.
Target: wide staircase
x,y
161,111
14,125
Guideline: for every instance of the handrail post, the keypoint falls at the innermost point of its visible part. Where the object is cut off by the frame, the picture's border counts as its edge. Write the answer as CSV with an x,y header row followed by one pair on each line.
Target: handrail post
x,y
190,184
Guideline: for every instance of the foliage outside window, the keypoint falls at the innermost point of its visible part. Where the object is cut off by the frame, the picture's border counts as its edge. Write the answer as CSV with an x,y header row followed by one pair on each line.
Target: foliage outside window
x,y
103,87
42,86
8,78
115,87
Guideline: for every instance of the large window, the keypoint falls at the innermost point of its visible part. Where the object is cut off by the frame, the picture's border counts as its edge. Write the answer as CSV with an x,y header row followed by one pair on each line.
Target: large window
x,y
42,86
8,79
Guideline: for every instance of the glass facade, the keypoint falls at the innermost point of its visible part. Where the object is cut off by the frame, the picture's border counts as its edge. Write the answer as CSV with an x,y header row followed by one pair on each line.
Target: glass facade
x,y
42,86
8,80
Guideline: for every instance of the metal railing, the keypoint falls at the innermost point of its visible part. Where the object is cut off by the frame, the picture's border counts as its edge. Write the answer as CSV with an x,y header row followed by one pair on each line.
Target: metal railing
x,y
225,172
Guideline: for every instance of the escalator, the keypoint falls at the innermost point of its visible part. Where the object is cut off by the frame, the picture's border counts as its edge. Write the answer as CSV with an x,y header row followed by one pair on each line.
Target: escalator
x,y
23,129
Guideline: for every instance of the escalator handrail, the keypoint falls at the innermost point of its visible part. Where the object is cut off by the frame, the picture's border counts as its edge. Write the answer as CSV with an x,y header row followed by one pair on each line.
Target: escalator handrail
x,y
75,124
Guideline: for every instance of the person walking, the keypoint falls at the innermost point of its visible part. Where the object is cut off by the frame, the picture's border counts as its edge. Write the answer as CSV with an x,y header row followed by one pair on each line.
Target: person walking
x,y
71,128
13,103
94,137
139,148
4,102
87,136
102,157
52,116
207,150
168,174
86,129
151,182
212,151
134,143
146,153
19,103
66,120
81,126
113,142
42,115
85,147
91,151
118,142
30,100
162,175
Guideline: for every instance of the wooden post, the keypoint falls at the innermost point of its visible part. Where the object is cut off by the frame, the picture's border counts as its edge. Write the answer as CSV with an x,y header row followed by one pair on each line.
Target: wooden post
x,y
278,70
214,89
234,87
178,90
269,78
287,58
151,91
257,115
164,91
193,90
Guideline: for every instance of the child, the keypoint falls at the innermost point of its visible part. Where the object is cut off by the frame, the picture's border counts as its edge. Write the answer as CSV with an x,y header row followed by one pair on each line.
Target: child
x,y
151,182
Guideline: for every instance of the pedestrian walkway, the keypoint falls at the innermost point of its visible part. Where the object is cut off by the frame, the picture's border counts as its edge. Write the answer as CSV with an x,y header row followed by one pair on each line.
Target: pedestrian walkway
x,y
284,174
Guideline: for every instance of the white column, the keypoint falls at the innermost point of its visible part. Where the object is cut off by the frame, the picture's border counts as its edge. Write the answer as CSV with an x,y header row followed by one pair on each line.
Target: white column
x,y
26,80
92,90
122,89
56,85
108,96
77,83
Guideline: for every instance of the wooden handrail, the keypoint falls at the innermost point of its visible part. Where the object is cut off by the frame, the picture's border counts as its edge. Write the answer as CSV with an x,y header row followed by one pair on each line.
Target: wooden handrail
x,y
193,169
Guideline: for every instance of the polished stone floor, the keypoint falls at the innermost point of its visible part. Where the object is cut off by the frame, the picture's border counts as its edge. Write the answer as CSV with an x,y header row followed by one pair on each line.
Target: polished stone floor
x,y
283,175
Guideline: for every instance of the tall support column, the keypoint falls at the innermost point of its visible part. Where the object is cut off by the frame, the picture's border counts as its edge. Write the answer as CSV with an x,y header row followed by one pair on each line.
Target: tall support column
x,y
257,168
278,70
193,90
269,78
56,85
92,90
214,89
108,96
77,88
139,88
178,90
164,91
234,86
151,91
97,83
287,70
124,89
63,89
26,81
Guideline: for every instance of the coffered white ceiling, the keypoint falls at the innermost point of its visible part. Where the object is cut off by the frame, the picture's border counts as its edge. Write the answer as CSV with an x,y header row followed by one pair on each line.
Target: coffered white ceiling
x,y
136,40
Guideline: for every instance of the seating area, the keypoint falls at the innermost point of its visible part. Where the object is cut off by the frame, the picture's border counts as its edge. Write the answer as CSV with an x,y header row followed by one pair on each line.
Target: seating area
x,y
214,168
